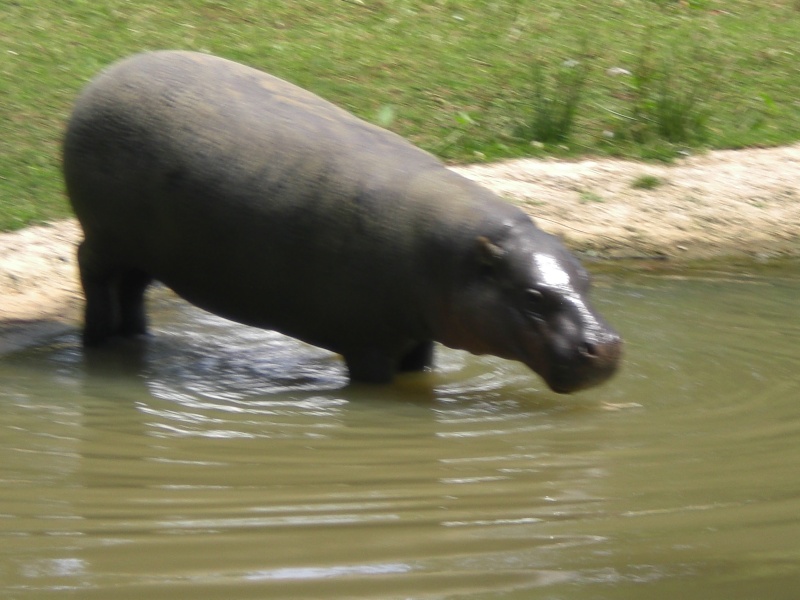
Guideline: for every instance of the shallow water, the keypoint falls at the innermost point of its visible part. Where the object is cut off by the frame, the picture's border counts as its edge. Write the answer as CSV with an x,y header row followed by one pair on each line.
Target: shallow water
x,y
223,462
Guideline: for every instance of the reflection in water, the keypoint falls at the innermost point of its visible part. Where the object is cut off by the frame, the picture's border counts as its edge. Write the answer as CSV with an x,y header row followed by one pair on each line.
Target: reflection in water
x,y
219,461
323,572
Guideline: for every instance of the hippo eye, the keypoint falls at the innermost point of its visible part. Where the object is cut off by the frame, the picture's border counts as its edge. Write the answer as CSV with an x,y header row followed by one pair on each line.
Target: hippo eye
x,y
534,301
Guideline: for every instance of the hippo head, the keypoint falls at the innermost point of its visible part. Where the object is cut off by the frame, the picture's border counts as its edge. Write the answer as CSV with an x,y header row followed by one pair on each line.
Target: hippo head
x,y
525,299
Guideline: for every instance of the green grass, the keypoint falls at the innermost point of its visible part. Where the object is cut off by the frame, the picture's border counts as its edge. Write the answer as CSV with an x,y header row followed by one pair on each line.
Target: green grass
x,y
457,77
555,100
590,197
646,182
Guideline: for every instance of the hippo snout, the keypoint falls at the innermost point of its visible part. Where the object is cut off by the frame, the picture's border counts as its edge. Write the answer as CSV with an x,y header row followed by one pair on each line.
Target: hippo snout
x,y
592,362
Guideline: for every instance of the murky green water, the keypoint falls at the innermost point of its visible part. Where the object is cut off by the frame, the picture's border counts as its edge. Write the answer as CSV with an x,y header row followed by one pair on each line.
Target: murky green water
x,y
228,463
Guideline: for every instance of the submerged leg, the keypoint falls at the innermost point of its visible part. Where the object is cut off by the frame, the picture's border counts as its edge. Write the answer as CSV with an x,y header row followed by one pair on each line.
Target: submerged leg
x,y
378,367
101,313
419,358
370,367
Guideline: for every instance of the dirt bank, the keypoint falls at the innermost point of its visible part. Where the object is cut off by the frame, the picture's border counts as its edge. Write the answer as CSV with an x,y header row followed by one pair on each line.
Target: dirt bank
x,y
721,204
744,202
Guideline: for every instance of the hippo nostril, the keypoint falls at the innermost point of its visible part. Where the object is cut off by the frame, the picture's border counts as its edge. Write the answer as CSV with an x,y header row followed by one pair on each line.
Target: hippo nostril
x,y
601,352
588,350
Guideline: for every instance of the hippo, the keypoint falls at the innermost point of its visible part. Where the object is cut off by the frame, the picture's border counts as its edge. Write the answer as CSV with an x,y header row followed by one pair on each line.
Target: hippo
x,y
261,202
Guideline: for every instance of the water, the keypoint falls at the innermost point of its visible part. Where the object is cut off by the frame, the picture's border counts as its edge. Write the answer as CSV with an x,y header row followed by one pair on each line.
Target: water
x,y
223,462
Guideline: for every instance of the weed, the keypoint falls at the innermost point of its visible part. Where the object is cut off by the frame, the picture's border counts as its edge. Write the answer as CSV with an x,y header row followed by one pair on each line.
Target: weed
x,y
590,197
646,182
679,107
668,100
554,100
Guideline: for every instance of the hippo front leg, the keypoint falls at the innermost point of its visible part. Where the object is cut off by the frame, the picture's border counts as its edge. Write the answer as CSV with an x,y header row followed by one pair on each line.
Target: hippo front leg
x,y
370,366
419,358
378,366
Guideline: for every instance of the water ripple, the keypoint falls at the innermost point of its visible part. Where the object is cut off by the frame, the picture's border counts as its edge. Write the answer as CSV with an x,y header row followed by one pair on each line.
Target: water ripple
x,y
227,462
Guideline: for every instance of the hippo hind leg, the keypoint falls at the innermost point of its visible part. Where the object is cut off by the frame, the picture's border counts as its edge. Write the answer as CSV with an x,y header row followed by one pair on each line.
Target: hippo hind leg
x,y
114,298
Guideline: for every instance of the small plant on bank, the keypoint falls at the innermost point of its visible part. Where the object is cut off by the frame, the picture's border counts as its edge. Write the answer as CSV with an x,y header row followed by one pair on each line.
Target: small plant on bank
x,y
554,101
668,102
679,108
590,197
646,182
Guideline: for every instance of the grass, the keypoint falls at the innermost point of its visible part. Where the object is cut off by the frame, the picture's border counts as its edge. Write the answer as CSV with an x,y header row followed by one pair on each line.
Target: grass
x,y
554,102
646,182
590,197
463,78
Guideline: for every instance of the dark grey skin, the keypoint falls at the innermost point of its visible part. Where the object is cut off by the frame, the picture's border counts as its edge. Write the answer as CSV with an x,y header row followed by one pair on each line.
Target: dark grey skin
x,y
261,202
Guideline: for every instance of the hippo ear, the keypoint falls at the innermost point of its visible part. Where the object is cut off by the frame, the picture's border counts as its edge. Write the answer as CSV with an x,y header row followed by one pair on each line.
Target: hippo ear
x,y
489,253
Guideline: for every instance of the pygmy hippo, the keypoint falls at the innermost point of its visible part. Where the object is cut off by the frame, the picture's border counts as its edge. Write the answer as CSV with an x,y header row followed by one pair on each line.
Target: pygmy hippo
x,y
263,203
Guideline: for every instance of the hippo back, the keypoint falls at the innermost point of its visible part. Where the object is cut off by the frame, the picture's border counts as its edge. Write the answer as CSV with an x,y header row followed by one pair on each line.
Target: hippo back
x,y
260,201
